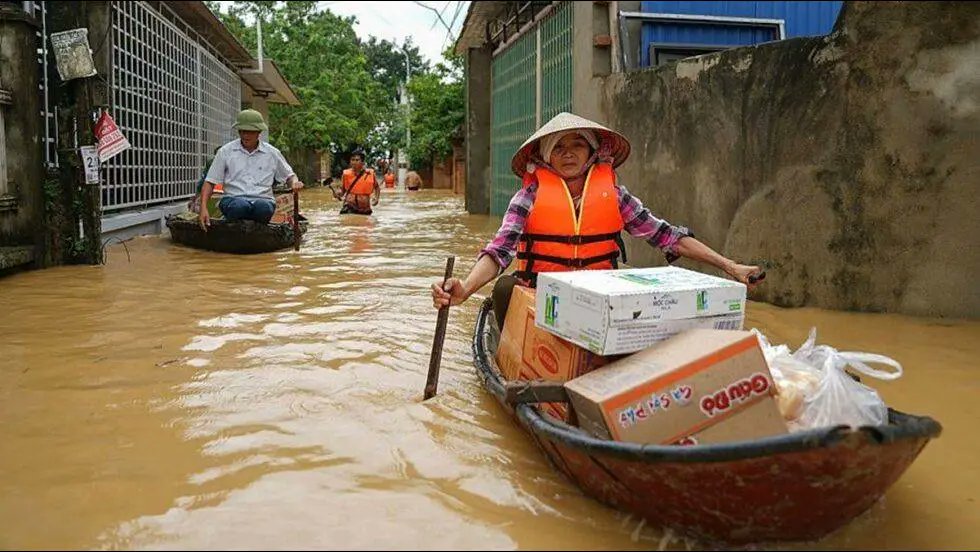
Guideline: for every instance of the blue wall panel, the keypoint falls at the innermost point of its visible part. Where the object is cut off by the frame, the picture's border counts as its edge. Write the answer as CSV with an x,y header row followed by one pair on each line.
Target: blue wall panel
x,y
802,19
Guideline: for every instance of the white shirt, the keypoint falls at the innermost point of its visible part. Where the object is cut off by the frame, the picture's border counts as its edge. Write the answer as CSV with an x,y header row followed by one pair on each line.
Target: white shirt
x,y
250,174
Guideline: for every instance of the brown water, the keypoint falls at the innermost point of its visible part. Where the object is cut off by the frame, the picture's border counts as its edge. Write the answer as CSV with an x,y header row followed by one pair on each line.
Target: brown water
x,y
184,399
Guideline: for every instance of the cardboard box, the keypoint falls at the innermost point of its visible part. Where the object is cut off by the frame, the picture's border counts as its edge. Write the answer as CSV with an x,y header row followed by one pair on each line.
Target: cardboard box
x,y
705,386
284,209
526,352
623,311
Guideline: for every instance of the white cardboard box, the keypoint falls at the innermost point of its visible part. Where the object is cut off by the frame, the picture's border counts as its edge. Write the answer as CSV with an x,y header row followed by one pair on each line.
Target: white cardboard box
x,y
612,312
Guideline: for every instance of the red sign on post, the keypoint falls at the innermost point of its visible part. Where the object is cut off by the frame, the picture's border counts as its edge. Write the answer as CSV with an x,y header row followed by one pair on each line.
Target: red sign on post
x,y
110,138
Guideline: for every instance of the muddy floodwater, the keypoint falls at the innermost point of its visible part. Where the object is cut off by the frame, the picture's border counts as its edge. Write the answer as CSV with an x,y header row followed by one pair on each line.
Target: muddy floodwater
x,y
176,398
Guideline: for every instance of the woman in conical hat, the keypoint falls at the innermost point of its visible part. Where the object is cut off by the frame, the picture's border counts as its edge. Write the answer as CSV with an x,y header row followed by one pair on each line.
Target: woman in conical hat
x,y
569,213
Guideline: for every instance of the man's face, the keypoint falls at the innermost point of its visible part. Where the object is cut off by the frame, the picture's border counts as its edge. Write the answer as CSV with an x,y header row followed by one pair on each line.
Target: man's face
x,y
357,163
250,138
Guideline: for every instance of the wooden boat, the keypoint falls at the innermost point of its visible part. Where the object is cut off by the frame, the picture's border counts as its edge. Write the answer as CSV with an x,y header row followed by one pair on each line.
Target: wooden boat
x,y
241,237
794,487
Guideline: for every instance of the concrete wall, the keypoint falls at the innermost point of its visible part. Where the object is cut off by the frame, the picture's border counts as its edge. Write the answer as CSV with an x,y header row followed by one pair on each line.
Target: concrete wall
x,y
849,163
306,163
442,173
589,63
22,208
477,129
425,175
459,169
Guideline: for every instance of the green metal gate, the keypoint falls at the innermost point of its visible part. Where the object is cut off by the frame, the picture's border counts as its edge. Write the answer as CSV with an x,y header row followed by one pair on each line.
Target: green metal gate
x,y
532,82
556,63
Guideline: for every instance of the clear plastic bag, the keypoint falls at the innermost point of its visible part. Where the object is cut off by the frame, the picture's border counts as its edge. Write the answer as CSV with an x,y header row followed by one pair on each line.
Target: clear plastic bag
x,y
815,389
795,380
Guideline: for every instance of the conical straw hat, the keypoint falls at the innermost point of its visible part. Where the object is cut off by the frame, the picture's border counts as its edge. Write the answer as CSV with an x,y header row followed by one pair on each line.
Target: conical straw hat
x,y
567,121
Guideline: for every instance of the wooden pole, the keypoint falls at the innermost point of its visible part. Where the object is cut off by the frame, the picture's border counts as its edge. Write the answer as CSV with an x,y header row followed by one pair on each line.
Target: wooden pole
x,y
296,235
435,358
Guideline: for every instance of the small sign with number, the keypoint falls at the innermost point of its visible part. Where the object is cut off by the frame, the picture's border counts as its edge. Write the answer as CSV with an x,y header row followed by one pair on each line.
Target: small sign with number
x,y
90,159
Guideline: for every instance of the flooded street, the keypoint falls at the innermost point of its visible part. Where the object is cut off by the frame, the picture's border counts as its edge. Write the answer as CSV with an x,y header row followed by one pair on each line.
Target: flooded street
x,y
187,399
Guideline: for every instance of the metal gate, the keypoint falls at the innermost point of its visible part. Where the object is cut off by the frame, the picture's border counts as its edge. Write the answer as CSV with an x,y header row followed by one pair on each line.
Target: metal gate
x,y
173,99
531,82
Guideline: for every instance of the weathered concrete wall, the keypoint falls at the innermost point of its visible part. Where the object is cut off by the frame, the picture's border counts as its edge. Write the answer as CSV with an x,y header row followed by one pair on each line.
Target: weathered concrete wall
x,y
305,163
22,210
590,63
850,163
459,169
478,130
442,173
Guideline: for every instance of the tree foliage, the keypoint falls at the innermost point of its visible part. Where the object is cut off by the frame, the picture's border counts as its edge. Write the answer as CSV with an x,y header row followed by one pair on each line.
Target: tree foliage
x,y
349,88
386,63
437,111
320,56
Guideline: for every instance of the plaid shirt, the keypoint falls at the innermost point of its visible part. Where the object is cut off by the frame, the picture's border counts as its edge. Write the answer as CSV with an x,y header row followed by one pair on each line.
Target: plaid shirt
x,y
638,220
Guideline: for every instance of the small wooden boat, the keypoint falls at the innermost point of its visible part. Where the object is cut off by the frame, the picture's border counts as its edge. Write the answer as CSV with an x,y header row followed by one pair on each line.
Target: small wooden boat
x,y
794,487
241,237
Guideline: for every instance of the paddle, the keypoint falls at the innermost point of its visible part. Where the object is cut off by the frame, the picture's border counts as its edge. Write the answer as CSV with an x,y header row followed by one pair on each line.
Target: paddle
x,y
296,236
332,191
433,380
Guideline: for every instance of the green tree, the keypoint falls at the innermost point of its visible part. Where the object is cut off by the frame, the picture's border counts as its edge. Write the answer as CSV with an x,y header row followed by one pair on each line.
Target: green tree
x,y
386,63
437,110
321,57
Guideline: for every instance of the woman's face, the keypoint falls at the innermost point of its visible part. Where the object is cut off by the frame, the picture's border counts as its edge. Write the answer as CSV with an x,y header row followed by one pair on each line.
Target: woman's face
x,y
570,155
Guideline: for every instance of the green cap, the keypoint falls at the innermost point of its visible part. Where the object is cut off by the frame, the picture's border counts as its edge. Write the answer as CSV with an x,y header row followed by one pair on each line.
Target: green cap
x,y
250,119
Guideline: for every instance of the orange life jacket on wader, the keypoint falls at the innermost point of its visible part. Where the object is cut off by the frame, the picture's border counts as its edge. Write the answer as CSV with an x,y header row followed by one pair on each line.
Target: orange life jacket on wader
x,y
555,240
364,184
389,180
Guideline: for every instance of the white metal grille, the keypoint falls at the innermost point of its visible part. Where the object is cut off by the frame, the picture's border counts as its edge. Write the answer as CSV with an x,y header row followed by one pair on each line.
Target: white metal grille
x,y
220,107
173,100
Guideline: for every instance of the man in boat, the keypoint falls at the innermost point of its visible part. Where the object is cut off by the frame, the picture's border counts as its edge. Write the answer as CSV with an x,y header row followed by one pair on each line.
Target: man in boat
x,y
568,215
247,168
358,184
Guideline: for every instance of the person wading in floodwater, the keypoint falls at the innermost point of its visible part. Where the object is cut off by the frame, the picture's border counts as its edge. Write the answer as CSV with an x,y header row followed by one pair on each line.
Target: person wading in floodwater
x,y
358,184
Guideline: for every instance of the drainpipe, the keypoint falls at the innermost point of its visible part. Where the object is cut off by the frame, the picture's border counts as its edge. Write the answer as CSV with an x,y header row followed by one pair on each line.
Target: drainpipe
x,y
258,27
617,65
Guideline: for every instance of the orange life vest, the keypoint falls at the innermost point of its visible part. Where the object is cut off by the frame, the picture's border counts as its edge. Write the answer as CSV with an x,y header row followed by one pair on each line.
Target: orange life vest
x,y
364,185
555,240
389,180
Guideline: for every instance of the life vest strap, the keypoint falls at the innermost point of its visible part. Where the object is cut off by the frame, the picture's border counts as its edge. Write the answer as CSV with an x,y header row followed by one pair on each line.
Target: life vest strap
x,y
571,240
564,261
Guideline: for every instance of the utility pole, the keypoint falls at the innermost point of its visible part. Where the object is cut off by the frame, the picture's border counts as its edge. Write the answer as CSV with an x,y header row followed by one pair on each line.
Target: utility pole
x,y
403,155
81,101
408,101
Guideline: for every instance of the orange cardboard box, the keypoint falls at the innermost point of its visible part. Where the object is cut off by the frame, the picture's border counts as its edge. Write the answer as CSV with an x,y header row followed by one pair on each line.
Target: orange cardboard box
x,y
284,209
527,352
701,386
